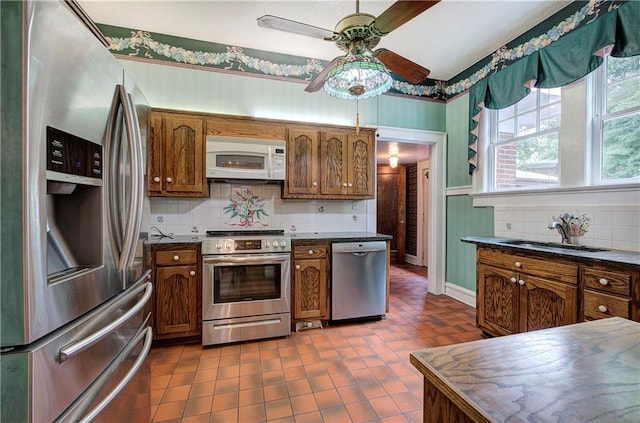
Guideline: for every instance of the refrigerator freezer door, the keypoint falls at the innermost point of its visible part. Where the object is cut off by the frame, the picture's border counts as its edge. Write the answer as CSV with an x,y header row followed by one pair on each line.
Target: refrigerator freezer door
x,y
38,384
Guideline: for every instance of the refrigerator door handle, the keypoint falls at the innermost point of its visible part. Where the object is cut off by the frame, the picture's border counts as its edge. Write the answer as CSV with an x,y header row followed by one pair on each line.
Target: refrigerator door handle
x,y
76,346
137,171
113,148
148,336
123,232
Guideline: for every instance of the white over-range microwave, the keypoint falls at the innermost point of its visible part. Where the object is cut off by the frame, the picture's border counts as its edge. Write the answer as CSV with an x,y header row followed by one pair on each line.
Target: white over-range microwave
x,y
245,158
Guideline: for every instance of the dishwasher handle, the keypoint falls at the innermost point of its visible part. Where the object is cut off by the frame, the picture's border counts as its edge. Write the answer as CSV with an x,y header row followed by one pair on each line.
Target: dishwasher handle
x,y
361,253
358,247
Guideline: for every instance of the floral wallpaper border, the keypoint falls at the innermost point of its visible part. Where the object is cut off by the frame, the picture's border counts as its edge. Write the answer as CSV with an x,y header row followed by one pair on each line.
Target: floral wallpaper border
x,y
167,48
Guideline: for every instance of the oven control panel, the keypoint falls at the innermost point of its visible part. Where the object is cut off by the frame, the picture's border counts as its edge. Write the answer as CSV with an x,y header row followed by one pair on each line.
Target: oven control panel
x,y
245,245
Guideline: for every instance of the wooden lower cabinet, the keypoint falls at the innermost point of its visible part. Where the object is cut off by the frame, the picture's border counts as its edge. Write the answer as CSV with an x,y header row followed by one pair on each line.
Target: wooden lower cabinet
x,y
177,283
310,285
608,292
511,299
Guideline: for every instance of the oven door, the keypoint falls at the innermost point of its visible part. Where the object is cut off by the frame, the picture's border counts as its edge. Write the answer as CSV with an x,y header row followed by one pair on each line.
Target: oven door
x,y
245,285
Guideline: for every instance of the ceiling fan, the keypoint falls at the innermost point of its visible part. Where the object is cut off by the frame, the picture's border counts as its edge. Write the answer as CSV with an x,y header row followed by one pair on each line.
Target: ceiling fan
x,y
360,33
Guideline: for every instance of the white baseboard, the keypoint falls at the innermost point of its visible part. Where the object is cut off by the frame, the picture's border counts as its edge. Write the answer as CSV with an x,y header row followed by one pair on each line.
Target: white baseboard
x,y
461,294
412,260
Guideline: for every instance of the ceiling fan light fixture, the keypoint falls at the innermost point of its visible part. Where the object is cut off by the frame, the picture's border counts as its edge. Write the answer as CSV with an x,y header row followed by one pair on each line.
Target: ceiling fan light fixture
x,y
393,161
358,75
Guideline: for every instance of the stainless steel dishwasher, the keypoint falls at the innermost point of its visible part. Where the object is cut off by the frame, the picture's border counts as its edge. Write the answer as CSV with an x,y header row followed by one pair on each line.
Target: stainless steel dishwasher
x,y
358,279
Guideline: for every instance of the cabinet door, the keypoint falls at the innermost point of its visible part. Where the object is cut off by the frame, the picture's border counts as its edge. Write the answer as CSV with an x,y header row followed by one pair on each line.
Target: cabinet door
x,y
497,300
310,289
360,164
176,307
333,163
302,162
183,155
155,156
546,304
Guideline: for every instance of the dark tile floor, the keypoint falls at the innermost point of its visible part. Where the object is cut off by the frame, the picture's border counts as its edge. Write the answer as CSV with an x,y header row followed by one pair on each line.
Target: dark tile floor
x,y
356,372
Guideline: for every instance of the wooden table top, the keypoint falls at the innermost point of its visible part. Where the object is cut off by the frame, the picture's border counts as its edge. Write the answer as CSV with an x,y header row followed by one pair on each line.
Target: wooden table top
x,y
584,372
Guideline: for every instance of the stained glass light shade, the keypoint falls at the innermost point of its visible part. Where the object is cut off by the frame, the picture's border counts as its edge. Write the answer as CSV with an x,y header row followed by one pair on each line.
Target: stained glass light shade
x,y
358,75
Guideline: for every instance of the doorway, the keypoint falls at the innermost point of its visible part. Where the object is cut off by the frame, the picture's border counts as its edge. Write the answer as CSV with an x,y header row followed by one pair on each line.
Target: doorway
x,y
391,208
435,221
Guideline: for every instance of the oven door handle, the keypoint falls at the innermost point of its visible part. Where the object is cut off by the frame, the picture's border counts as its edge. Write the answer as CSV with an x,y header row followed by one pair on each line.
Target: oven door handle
x,y
247,259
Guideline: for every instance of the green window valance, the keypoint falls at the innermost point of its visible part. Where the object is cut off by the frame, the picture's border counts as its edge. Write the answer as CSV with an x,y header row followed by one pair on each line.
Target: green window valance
x,y
561,62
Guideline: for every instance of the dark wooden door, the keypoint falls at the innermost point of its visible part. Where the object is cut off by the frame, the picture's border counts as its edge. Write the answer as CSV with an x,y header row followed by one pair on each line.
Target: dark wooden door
x,y
391,208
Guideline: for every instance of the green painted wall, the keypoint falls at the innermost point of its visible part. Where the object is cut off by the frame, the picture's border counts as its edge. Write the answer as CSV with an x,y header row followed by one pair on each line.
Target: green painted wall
x,y
192,89
462,218
457,135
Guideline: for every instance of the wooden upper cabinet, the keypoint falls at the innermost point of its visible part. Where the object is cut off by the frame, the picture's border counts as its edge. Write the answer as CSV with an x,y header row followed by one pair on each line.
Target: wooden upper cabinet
x,y
333,158
176,162
302,163
360,164
329,164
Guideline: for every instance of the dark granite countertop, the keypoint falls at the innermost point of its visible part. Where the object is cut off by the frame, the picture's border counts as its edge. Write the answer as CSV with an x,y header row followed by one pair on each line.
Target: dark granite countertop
x,y
175,239
295,236
604,256
338,236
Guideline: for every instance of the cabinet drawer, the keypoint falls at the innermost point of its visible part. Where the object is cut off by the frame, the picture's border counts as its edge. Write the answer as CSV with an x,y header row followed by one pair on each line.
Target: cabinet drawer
x,y
599,306
175,257
543,268
614,282
310,251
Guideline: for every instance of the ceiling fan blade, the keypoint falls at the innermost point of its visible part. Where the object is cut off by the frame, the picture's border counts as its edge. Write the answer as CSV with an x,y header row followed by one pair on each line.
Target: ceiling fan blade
x,y
286,25
402,66
319,80
399,13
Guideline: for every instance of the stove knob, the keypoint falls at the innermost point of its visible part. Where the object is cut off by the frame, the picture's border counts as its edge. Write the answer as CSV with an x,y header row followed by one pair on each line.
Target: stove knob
x,y
283,244
267,244
219,245
228,245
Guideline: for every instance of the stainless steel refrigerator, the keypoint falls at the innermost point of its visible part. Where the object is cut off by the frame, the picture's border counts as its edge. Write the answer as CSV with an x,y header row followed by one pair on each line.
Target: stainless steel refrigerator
x,y
74,331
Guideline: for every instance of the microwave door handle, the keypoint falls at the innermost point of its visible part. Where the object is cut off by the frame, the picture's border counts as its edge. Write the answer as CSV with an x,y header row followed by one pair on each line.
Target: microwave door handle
x,y
137,171
114,219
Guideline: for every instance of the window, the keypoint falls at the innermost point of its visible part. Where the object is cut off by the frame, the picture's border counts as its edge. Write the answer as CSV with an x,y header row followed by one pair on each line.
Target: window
x,y
617,121
525,141
531,148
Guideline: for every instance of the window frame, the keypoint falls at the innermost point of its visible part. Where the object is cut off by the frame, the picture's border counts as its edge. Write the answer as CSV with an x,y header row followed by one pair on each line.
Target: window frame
x,y
597,116
493,144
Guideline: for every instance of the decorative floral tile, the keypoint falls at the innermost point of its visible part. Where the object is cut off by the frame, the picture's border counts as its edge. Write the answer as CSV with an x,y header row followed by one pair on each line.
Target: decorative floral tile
x,y
246,209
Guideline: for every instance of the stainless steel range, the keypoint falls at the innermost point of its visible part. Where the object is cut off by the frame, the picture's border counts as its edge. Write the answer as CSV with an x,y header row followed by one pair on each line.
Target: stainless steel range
x,y
246,286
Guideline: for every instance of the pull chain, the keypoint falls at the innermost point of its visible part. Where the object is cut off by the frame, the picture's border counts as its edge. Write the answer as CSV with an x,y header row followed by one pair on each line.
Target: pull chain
x,y
357,117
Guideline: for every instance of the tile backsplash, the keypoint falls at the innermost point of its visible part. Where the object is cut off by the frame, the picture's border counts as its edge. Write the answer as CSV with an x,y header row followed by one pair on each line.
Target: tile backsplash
x,y
611,226
238,206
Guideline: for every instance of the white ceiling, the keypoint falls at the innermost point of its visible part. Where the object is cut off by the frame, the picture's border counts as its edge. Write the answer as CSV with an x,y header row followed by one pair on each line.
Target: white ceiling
x,y
447,38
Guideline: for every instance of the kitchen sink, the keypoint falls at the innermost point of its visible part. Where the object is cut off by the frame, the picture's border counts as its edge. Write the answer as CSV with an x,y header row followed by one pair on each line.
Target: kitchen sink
x,y
537,244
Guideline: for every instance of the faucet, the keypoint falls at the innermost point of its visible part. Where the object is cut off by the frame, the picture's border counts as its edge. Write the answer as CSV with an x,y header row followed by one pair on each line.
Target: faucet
x,y
562,226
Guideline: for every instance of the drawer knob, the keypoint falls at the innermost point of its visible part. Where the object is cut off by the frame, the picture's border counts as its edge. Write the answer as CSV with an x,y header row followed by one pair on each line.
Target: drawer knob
x,y
603,309
350,185
603,281
192,273
169,180
518,264
176,258
310,251
315,184
513,279
156,179
297,267
521,282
